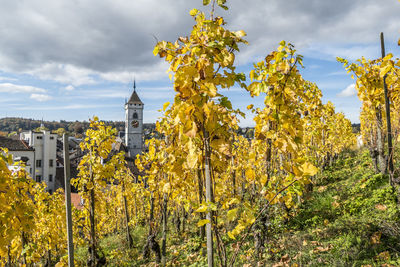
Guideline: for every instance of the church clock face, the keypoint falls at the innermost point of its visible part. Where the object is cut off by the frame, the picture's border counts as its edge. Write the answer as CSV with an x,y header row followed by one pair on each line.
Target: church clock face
x,y
135,124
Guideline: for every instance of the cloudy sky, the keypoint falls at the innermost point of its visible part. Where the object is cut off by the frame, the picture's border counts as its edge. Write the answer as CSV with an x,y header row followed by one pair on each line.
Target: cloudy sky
x,y
72,59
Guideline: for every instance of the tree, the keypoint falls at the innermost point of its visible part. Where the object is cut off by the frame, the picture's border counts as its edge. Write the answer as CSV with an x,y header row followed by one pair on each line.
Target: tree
x,y
202,117
60,132
96,170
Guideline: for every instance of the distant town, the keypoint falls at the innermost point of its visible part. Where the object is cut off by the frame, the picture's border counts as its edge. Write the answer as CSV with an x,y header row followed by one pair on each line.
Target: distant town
x,y
39,145
12,126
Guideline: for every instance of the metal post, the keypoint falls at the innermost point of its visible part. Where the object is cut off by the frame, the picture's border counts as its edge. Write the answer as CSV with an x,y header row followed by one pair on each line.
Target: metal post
x,y
388,123
68,201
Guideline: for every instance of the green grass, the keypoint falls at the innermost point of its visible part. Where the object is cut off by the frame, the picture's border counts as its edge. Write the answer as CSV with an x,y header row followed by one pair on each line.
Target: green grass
x,y
350,219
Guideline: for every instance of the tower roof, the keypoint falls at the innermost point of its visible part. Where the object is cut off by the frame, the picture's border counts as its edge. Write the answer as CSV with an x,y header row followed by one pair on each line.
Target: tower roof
x,y
134,99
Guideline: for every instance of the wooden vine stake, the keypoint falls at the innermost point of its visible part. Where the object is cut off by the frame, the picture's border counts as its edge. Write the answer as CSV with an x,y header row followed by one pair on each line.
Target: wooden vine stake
x,y
68,201
388,122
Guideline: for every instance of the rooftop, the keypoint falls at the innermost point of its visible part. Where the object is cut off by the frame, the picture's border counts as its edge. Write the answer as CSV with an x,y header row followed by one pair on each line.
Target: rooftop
x,y
14,145
134,97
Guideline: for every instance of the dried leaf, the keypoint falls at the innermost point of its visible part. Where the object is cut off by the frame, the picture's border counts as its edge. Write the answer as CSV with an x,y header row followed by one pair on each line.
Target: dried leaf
x,y
380,207
376,238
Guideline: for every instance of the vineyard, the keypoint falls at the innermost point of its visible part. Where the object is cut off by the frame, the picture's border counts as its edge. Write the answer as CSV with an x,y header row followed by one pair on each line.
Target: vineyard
x,y
298,193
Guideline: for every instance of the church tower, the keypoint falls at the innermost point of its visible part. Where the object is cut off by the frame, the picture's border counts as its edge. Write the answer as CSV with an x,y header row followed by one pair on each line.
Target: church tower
x,y
134,124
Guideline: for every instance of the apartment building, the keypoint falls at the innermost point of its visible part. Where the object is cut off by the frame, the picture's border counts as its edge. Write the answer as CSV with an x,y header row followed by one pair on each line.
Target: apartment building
x,y
44,144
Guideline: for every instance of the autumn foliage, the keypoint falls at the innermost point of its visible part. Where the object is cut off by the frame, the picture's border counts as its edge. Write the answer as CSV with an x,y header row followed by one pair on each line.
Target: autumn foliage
x,y
201,172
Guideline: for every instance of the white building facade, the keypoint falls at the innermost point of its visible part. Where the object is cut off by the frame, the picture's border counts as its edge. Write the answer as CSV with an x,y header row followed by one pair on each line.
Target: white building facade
x,y
20,152
45,145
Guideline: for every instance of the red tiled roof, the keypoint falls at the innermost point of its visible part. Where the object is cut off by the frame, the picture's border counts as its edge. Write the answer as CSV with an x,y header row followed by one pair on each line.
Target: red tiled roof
x,y
76,200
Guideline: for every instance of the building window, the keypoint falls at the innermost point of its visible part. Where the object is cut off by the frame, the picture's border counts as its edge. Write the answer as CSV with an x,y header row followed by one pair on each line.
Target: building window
x,y
30,170
39,163
50,163
38,178
39,137
51,137
50,191
135,116
50,177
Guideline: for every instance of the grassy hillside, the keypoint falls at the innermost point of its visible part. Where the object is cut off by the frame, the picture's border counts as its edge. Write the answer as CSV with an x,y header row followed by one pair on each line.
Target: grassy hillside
x,y
349,219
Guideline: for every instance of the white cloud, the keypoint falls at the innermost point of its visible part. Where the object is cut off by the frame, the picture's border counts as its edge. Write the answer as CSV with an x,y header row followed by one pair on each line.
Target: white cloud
x,y
68,107
349,51
15,88
348,91
141,73
69,88
7,79
338,73
70,43
40,97
64,73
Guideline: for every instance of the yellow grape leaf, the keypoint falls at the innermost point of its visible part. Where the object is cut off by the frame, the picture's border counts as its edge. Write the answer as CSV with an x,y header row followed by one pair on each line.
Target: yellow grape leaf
x,y
252,73
61,264
202,208
250,106
212,89
203,222
250,174
167,188
238,229
193,131
213,207
240,33
232,214
166,104
281,144
229,59
309,169
263,179
192,160
193,12
231,235
288,200
385,70
155,51
297,172
152,151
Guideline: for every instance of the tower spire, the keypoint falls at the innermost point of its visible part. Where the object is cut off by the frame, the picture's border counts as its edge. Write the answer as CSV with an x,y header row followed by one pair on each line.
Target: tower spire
x,y
134,97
